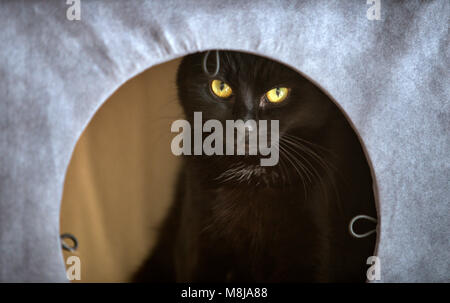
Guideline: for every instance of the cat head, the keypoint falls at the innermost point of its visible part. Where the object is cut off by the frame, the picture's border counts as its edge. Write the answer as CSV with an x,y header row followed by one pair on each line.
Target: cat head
x,y
249,87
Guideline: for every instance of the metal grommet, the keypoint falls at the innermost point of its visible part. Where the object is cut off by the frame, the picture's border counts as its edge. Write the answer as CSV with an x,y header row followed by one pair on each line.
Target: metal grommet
x,y
65,245
352,232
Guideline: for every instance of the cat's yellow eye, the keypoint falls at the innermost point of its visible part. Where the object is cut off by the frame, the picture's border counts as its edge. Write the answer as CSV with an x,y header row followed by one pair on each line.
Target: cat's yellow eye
x,y
221,89
277,95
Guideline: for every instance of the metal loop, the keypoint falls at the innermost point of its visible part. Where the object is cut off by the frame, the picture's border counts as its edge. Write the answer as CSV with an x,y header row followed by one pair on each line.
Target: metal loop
x,y
352,232
65,245
205,60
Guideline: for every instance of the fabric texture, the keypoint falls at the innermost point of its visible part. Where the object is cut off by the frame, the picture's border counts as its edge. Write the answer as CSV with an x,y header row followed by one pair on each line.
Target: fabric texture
x,y
121,178
389,76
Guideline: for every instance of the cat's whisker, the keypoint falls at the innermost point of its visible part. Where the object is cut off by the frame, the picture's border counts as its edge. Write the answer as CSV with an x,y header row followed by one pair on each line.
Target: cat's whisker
x,y
325,164
320,161
328,167
297,148
288,157
303,158
283,168
302,140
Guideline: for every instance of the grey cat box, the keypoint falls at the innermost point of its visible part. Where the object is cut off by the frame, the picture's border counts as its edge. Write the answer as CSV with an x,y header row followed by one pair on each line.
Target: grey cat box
x,y
390,76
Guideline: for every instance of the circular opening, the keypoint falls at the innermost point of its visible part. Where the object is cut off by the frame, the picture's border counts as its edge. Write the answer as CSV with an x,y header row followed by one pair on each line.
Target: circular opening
x,y
139,213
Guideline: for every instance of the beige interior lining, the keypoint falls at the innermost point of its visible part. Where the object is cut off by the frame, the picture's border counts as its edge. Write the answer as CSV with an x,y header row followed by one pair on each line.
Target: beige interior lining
x,y
120,180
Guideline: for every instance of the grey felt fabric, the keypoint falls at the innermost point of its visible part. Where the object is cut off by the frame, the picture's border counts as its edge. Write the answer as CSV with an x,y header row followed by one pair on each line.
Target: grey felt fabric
x,y
391,77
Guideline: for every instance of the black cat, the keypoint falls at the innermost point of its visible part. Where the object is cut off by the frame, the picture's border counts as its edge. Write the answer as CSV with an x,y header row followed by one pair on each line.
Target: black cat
x,y
234,220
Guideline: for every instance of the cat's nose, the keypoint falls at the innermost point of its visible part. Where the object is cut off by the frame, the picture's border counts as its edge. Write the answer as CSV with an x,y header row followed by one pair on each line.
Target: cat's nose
x,y
247,136
249,127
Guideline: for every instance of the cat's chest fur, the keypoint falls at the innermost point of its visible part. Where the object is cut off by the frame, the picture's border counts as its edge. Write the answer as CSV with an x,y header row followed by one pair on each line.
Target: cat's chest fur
x,y
270,228
251,219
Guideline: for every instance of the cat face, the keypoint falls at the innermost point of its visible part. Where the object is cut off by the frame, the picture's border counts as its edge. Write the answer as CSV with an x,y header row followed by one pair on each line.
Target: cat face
x,y
251,87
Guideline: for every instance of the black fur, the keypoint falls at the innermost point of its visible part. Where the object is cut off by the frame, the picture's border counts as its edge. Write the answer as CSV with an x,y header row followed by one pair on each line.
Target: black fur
x,y
283,223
